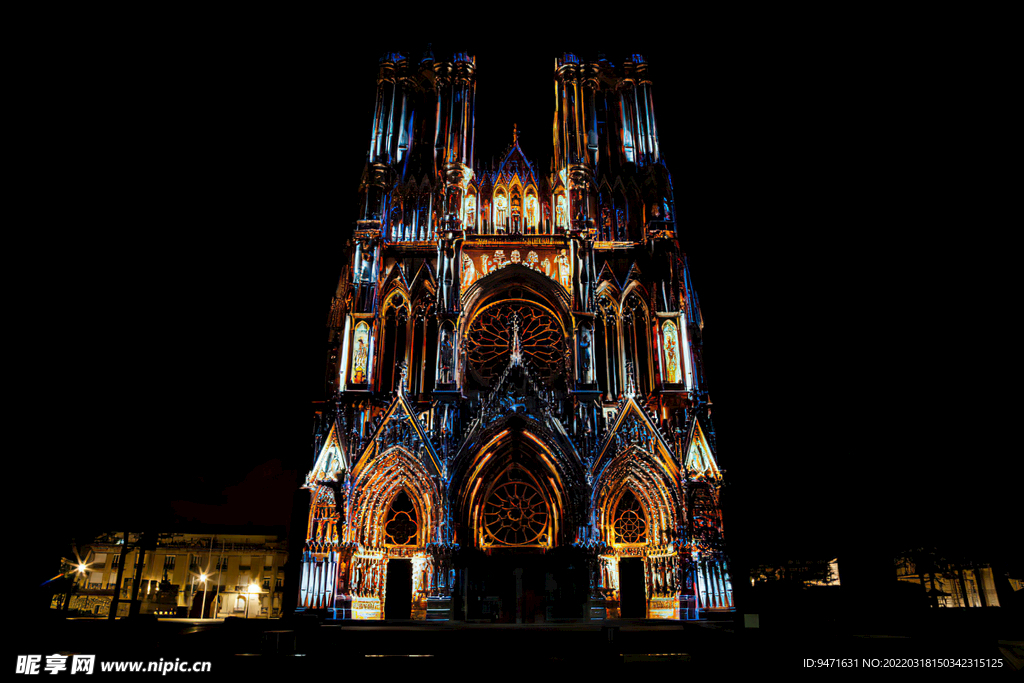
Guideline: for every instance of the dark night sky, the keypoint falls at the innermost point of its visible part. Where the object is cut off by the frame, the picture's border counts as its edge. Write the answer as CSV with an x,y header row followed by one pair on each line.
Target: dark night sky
x,y
808,190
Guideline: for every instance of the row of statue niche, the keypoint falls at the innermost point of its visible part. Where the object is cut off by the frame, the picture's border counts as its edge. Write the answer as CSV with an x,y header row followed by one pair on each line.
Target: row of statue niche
x,y
560,271
366,575
661,577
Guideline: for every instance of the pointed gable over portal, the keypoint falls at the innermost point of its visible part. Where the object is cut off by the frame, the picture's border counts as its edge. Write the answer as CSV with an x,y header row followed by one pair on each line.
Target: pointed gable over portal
x,y
634,427
400,426
700,460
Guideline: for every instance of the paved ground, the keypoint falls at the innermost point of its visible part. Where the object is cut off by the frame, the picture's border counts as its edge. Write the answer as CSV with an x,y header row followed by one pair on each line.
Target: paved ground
x,y
306,646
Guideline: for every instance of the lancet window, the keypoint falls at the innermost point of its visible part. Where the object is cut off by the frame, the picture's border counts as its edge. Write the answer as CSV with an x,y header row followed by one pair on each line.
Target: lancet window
x,y
423,217
360,353
670,344
607,344
393,341
424,351
635,333
394,228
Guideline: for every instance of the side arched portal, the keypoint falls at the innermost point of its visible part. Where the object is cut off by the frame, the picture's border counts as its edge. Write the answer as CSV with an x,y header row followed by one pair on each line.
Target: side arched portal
x,y
639,514
394,512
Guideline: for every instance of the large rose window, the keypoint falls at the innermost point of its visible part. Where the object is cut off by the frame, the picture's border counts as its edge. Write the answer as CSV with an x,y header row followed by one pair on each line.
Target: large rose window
x,y
490,338
516,514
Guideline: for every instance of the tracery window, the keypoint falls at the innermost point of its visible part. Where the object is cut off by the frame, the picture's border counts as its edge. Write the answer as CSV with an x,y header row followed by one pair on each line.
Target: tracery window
x,y
402,526
490,334
637,344
630,522
515,513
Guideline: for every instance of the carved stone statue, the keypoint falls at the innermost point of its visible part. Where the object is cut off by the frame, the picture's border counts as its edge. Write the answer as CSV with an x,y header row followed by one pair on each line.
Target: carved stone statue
x,y
585,350
446,358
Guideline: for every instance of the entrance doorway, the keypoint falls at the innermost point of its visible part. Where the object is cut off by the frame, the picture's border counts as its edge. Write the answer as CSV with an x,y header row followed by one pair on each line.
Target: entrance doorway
x,y
632,593
398,596
516,587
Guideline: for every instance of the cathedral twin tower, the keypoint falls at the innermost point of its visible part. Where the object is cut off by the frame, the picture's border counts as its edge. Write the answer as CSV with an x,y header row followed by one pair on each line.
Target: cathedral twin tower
x,y
517,425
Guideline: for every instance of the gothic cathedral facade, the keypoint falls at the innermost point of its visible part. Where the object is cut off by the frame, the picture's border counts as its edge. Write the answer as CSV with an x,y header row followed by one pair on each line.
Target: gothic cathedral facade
x,y
517,424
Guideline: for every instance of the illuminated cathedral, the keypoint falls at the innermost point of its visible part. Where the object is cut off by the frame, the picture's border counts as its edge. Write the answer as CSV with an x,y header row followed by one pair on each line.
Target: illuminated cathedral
x,y
517,426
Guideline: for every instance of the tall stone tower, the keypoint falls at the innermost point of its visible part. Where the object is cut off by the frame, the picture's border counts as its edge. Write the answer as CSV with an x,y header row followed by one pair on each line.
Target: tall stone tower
x,y
517,423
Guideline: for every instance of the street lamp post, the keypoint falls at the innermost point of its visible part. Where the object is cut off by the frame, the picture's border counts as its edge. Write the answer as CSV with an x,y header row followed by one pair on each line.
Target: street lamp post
x,y
253,590
202,605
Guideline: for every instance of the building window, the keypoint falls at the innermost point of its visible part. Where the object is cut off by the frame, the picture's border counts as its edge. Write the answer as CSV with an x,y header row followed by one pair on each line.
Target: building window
x,y
169,562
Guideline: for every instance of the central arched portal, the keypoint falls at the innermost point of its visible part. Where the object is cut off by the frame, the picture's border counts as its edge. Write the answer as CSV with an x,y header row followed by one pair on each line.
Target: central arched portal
x,y
517,516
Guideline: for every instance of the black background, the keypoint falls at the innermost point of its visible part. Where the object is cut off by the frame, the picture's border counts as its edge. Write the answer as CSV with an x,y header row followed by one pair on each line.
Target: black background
x,y
204,195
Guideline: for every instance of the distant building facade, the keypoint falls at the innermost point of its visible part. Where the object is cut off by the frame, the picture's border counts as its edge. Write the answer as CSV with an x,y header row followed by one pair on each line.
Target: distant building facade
x,y
245,575
950,584
816,572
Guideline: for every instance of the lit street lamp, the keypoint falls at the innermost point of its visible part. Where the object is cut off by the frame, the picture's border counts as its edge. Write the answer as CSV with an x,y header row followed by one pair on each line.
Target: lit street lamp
x,y
202,605
252,591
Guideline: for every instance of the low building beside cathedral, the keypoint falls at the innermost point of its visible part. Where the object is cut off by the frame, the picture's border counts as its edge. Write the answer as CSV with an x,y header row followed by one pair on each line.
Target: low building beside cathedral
x,y
517,424
182,575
